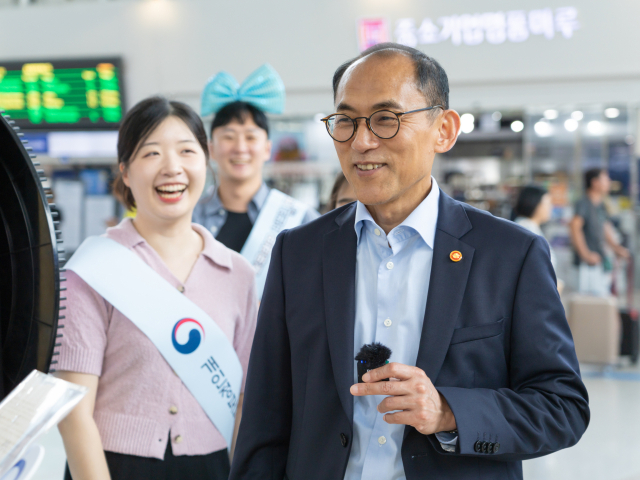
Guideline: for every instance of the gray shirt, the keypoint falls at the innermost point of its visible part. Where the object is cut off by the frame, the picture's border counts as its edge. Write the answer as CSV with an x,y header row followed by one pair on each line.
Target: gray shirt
x,y
211,214
594,217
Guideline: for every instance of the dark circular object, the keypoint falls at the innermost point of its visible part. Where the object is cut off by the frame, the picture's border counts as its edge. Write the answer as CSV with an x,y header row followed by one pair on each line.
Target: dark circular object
x,y
485,447
478,446
490,448
344,440
496,447
29,263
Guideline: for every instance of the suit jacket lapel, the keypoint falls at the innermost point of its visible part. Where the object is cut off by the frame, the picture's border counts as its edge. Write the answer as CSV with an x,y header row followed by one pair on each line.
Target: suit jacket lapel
x,y
339,280
446,287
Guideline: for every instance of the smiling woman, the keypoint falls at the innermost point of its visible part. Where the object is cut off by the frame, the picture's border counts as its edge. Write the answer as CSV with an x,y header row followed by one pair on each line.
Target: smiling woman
x,y
167,122
138,409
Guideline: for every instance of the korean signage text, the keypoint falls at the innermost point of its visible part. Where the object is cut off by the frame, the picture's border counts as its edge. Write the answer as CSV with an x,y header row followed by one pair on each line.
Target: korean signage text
x,y
493,27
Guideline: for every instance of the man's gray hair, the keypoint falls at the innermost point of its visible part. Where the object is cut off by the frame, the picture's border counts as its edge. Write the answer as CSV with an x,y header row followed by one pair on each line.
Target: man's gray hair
x,y
430,76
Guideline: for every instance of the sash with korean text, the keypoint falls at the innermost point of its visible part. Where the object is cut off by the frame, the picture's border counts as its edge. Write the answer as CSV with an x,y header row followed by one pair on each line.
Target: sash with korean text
x,y
190,341
278,213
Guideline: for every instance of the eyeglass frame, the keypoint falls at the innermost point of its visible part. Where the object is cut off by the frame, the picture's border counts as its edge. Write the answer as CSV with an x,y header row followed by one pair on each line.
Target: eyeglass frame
x,y
368,121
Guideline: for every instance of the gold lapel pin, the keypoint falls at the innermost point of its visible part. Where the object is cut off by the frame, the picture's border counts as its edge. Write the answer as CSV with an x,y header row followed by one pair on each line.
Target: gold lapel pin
x,y
455,256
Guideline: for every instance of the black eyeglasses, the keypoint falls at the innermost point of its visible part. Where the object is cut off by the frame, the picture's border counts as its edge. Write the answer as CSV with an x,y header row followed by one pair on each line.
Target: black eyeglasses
x,y
383,124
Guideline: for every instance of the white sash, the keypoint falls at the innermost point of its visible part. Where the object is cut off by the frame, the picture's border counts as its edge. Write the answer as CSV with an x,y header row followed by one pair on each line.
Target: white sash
x,y
202,355
278,213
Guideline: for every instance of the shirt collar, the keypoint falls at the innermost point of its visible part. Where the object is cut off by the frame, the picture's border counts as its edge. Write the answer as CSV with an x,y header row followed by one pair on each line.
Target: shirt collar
x,y
213,202
126,234
423,219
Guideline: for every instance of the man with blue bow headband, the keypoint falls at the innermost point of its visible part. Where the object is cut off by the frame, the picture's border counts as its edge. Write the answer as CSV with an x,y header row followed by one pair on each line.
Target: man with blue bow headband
x,y
241,211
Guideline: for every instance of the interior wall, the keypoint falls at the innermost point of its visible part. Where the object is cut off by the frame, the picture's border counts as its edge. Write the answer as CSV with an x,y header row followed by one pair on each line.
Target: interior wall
x,y
172,46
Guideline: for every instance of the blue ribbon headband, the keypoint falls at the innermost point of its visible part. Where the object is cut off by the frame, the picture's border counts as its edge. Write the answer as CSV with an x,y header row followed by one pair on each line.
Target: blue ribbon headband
x,y
262,89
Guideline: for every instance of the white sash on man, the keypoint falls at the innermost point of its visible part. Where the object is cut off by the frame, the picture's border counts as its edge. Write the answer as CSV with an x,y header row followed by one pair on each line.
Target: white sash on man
x,y
202,356
278,213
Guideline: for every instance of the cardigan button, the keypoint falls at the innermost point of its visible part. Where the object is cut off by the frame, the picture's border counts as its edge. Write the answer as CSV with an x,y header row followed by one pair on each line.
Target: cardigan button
x,y
178,439
173,410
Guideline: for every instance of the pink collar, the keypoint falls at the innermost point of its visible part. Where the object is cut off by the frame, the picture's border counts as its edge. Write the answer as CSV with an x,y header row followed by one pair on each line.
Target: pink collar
x,y
126,234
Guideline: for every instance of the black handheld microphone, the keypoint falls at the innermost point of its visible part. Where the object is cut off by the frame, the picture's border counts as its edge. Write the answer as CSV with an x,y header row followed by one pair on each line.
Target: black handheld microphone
x,y
370,357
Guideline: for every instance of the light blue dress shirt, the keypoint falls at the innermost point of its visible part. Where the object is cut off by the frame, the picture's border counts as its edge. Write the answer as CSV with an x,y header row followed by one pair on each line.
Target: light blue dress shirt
x,y
392,283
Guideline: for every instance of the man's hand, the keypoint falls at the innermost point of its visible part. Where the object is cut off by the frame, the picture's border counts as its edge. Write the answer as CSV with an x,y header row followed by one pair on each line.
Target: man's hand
x,y
621,252
419,403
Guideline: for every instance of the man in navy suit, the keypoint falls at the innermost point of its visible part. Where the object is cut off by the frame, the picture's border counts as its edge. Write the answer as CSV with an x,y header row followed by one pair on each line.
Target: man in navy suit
x,y
483,372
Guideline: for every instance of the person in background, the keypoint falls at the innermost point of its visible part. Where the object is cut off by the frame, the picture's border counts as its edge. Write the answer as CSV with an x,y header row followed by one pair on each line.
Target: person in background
x,y
341,193
590,229
139,420
240,146
532,210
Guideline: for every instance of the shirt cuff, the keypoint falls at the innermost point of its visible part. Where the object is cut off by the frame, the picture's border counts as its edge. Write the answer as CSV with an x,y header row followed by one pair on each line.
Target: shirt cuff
x,y
448,441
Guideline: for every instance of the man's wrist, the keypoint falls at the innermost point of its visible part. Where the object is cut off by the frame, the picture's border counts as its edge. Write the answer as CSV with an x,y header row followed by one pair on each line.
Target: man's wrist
x,y
448,420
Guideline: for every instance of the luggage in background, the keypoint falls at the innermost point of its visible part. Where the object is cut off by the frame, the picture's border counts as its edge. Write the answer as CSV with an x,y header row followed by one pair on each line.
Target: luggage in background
x,y
595,325
630,338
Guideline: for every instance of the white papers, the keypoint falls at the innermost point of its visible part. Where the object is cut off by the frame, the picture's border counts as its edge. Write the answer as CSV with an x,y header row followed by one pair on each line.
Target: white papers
x,y
26,467
33,407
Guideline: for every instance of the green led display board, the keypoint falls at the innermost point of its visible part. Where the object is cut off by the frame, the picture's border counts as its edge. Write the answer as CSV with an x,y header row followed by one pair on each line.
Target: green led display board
x,y
63,94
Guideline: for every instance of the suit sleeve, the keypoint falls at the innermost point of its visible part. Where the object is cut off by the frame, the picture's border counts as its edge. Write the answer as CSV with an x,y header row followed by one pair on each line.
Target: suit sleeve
x,y
263,439
546,407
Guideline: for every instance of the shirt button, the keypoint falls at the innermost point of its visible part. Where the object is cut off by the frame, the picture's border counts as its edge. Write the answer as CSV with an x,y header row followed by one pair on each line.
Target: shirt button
x,y
389,265
178,439
214,230
173,410
181,288
377,232
382,440
388,322
221,211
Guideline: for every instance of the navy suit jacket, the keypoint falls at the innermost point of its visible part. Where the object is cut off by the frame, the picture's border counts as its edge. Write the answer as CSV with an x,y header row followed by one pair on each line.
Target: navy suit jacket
x,y
495,343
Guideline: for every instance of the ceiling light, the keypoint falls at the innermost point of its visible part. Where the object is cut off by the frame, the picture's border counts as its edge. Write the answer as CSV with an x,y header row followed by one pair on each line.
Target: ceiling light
x,y
467,127
595,127
571,125
543,129
517,126
611,112
577,115
550,114
467,123
467,118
